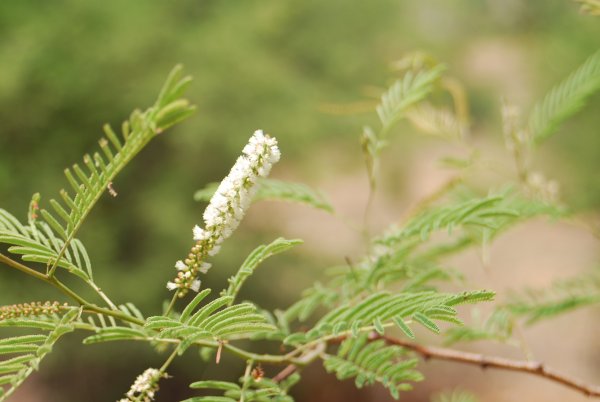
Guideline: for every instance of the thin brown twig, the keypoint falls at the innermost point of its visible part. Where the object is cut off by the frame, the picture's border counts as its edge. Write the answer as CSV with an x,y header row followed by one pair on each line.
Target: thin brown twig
x,y
285,373
303,360
530,367
432,352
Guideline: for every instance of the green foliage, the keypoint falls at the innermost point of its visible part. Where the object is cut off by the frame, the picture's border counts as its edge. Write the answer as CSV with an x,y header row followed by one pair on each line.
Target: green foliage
x,y
490,214
436,121
37,242
29,350
385,309
113,333
455,396
257,256
276,190
257,390
563,296
210,322
116,154
404,93
591,7
565,99
498,327
52,242
394,286
107,330
312,298
371,362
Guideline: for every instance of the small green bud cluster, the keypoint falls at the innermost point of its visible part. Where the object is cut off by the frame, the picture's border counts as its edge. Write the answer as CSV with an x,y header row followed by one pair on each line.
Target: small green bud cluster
x,y
31,309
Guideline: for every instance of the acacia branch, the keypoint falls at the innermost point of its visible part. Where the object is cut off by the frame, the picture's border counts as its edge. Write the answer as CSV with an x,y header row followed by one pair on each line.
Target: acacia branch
x,y
431,352
535,368
285,373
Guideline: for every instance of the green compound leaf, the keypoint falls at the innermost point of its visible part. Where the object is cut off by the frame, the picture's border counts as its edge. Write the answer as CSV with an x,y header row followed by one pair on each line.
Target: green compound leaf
x,y
565,99
37,242
383,309
99,170
409,90
30,350
562,297
215,321
426,322
373,362
256,257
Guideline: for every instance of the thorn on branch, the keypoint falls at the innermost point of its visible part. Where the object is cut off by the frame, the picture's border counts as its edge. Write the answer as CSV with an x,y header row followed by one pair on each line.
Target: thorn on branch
x,y
219,350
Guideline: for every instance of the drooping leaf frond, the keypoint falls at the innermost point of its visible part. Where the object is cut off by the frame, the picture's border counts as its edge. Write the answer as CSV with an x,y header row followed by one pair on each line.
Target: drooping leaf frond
x,y
27,351
257,256
276,190
373,362
403,256
565,99
492,213
92,180
212,322
563,296
436,121
478,212
383,309
407,92
412,88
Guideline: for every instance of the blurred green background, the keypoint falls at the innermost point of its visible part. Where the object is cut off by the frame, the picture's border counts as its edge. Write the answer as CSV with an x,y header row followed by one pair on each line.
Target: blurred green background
x,y
66,67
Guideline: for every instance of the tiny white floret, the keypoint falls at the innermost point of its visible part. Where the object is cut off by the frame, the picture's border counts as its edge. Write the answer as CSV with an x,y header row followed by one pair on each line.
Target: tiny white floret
x,y
196,285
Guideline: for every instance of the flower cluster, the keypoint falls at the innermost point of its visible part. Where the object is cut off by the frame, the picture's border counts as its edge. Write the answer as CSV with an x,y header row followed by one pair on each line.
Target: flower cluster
x,y
145,386
31,309
226,209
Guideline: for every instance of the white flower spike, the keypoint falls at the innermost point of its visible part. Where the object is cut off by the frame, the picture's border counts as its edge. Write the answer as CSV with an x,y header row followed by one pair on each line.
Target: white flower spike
x,y
145,386
226,209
